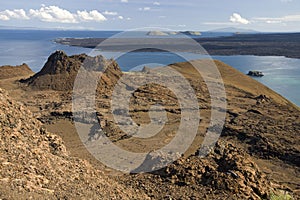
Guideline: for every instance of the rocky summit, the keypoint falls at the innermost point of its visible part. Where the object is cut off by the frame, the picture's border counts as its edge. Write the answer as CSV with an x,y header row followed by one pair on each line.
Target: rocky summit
x,y
256,157
60,71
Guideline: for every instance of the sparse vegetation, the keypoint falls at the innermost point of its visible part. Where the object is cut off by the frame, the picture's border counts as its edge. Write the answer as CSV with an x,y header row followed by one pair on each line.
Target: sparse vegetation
x,y
281,195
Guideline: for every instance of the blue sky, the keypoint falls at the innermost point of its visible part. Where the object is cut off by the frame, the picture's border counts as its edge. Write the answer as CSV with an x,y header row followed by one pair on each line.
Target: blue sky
x,y
261,15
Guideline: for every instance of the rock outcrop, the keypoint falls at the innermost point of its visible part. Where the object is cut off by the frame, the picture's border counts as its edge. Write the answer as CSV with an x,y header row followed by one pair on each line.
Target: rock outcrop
x,y
255,73
227,168
60,71
227,172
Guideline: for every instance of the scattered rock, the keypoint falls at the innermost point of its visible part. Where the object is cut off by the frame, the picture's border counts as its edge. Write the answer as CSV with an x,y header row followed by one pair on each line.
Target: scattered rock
x,y
262,99
227,168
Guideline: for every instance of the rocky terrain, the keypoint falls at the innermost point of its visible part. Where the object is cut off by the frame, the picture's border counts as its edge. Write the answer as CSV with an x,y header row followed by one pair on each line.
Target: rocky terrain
x,y
14,71
35,163
256,156
60,71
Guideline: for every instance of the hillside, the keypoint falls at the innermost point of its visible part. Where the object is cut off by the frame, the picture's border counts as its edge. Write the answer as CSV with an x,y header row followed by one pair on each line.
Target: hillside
x,y
14,71
35,163
257,154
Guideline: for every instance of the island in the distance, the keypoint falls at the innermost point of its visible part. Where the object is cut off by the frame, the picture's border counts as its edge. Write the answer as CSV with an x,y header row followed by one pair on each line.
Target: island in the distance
x,y
170,33
260,44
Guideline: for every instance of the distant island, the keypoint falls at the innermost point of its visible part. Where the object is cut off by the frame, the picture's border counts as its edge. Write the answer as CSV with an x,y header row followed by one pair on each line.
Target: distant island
x,y
234,30
261,44
170,33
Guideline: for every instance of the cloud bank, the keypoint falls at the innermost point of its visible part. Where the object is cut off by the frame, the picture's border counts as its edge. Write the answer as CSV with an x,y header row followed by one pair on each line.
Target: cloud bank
x,y
13,14
53,14
277,20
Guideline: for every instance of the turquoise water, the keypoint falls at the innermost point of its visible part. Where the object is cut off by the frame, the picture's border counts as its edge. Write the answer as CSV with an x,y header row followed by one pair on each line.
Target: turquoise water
x,y
33,47
281,74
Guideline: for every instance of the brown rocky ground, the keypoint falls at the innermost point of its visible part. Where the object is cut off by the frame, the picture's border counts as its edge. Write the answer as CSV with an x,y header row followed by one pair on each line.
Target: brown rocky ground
x,y
257,153
15,71
35,164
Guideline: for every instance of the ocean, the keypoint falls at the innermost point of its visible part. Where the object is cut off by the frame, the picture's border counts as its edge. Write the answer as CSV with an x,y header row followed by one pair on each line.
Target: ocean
x,y
34,46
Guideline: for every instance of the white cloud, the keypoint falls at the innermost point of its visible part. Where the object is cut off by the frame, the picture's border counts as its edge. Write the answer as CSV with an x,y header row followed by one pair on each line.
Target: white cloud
x,y
145,9
93,15
273,22
120,17
124,1
13,14
110,13
156,3
277,20
4,17
291,18
53,14
237,18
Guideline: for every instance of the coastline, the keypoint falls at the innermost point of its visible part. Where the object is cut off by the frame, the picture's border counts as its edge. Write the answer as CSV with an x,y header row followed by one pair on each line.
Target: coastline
x,y
275,44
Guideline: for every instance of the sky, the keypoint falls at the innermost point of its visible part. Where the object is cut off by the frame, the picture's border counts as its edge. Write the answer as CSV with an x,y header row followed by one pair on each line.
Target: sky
x,y
198,15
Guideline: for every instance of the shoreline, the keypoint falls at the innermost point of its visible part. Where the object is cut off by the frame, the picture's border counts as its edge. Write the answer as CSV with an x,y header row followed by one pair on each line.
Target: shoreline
x,y
282,44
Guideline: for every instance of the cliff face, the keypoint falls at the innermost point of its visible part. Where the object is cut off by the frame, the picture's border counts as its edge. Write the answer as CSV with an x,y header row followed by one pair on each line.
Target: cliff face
x,y
34,163
60,71
15,71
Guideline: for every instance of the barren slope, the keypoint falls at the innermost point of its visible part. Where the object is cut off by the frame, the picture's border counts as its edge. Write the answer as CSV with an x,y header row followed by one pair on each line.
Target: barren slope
x,y
35,164
14,71
258,151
